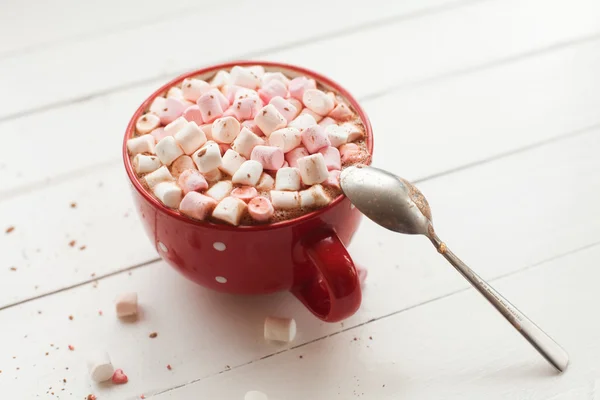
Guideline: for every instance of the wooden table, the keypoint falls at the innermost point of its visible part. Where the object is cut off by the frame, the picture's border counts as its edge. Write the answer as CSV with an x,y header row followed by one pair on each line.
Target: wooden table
x,y
491,106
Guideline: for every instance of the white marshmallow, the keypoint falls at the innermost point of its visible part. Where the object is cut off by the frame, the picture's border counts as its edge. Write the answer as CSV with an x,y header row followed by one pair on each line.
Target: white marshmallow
x,y
220,190
158,104
286,139
141,144
143,164
285,107
325,122
285,200
332,158
266,182
313,114
269,119
302,121
168,193
230,210
225,130
287,179
280,329
315,196
207,129
313,169
222,78
208,157
337,135
354,132
246,141
175,93
231,162
175,126
255,395
278,76
160,175
190,138
181,164
245,77
258,70
248,173
147,123
126,304
99,367
192,89
168,150
318,101
213,176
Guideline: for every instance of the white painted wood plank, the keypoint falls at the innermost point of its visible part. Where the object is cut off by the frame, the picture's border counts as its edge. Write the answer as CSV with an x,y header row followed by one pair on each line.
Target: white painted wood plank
x,y
554,104
200,333
455,348
469,45
79,69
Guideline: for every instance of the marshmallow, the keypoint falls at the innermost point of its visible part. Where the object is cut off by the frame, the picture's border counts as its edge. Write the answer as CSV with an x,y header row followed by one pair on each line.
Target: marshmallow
x,y
192,89
173,108
248,173
213,176
274,76
296,103
231,162
197,206
333,180
207,129
99,367
190,138
302,121
299,85
270,157
314,138
168,193
157,104
225,130
229,92
269,119
147,123
286,139
285,200
260,208
229,112
341,112
333,98
126,304
253,127
245,142
287,179
220,190
230,210
160,175
168,150
313,114
245,193
337,135
175,126
318,101
159,134
191,180
350,152
258,70
210,107
141,144
332,157
221,79
272,89
354,132
223,101
193,114
181,164
313,169
175,93
245,77
292,157
255,395
266,182
280,329
245,93
245,109
207,157
327,121
143,164
314,196
285,108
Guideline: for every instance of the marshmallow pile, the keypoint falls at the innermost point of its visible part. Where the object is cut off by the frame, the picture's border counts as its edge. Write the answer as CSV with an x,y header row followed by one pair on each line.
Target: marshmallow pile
x,y
246,145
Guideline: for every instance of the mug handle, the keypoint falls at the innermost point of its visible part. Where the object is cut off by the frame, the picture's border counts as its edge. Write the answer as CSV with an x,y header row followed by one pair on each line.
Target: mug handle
x,y
332,289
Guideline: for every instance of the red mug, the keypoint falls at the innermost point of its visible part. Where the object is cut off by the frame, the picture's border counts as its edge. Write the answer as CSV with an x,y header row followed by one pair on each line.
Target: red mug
x,y
305,255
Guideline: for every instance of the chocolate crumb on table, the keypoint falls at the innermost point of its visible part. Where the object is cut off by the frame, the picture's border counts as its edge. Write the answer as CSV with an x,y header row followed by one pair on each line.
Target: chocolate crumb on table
x,y
13,268
72,243
169,367
10,229
73,205
82,247
153,335
70,317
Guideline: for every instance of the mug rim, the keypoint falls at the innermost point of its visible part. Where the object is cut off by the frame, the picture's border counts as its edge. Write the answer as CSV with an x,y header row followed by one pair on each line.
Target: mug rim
x,y
133,178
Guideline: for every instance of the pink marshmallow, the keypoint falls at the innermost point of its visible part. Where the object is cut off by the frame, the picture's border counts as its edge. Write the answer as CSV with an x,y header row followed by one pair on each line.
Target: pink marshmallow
x,y
221,97
251,125
296,103
191,180
229,92
298,85
246,108
332,157
245,193
293,156
159,134
325,122
223,147
210,107
314,138
193,114
285,108
197,206
271,158
341,112
272,89
260,208
350,152
230,112
172,110
333,180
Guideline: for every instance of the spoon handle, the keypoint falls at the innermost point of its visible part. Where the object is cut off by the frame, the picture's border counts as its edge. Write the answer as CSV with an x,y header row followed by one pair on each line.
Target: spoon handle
x,y
543,343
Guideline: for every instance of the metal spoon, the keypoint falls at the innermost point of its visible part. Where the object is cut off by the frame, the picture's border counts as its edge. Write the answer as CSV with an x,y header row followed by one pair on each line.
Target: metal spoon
x,y
397,205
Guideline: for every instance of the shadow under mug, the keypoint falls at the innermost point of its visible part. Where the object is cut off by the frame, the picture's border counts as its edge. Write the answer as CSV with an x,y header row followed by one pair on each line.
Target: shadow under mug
x,y
306,255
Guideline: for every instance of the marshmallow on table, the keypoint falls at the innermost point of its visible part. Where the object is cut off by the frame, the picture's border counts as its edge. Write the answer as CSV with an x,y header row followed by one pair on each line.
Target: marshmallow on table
x,y
168,150
332,157
314,196
272,89
314,139
269,119
280,329
143,164
354,132
141,144
175,126
285,107
286,139
173,109
245,141
318,101
221,79
159,134
313,114
333,180
190,138
266,182
327,121
197,206
99,367
270,157
337,135
191,180
248,173
341,112
168,193
192,89
292,157
160,175
245,193
302,121
225,130
260,209
285,200
288,179
255,395
207,157
299,85
193,114
147,123
232,161
126,304
157,104
245,77
350,152
277,76
181,164
313,169
220,190
210,107
230,210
